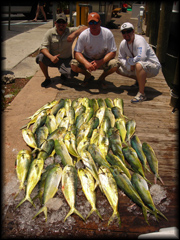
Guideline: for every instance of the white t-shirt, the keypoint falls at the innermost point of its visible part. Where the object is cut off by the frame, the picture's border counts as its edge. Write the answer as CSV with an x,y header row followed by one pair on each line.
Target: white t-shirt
x,y
96,47
140,49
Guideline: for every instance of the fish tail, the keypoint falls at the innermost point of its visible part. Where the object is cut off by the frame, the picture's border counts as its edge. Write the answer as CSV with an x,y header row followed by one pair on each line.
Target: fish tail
x,y
37,149
125,144
145,214
115,215
21,187
24,199
74,210
43,209
159,178
98,213
94,210
147,180
148,169
155,214
34,151
161,214
17,193
78,213
37,196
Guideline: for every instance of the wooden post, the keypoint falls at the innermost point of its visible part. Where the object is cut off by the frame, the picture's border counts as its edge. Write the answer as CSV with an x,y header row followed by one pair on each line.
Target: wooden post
x,y
9,17
54,12
176,74
149,7
154,25
163,32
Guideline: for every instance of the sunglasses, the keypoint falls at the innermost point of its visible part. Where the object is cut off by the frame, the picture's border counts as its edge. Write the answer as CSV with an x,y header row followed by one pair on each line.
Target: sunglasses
x,y
126,31
93,22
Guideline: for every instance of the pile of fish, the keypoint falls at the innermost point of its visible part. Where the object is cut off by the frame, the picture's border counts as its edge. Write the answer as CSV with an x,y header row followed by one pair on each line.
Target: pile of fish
x,y
97,133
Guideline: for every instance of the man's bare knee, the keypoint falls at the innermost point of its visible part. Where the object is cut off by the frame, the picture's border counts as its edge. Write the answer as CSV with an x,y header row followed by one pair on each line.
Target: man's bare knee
x,y
138,67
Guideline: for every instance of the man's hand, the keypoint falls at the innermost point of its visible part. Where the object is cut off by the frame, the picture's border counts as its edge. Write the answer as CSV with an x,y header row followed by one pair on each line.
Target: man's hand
x,y
55,58
89,66
71,37
97,63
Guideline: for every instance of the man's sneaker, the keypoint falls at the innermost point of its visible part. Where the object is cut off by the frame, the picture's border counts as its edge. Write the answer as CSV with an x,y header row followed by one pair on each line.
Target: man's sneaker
x,y
103,85
46,82
87,81
63,77
139,98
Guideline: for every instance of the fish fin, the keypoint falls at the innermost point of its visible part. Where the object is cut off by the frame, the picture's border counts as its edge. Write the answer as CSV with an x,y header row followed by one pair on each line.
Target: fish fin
x,y
115,215
24,126
94,210
43,209
37,149
125,116
24,199
74,210
95,185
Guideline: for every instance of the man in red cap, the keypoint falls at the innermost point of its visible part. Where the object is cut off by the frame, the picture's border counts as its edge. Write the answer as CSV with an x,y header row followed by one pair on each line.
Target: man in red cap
x,y
95,49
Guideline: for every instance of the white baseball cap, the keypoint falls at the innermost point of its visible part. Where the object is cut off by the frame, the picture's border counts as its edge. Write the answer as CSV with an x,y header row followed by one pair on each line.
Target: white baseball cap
x,y
126,25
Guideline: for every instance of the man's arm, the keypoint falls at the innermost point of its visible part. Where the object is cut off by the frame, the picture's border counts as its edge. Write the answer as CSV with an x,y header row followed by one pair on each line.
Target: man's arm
x,y
75,34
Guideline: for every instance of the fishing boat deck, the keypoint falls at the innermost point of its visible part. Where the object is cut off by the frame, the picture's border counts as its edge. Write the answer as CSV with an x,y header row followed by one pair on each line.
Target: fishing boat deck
x,y
155,125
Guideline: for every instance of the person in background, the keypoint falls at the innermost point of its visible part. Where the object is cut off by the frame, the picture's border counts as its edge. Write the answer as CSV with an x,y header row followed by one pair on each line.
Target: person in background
x,y
40,6
137,60
95,49
56,49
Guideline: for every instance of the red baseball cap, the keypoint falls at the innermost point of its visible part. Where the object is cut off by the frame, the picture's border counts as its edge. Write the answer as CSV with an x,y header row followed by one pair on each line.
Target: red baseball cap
x,y
93,16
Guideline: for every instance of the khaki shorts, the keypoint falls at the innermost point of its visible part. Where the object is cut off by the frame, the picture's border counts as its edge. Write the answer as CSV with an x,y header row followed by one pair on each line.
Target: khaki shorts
x,y
152,69
106,66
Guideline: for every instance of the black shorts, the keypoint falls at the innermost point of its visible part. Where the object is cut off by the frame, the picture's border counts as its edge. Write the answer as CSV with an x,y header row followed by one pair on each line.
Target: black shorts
x,y
41,3
63,64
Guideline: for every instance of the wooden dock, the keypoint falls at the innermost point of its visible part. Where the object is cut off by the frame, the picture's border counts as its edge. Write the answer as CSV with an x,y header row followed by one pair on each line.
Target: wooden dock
x,y
155,125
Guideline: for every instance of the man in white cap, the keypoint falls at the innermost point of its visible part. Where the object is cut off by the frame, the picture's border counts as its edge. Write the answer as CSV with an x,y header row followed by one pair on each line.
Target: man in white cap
x,y
56,49
95,49
137,60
